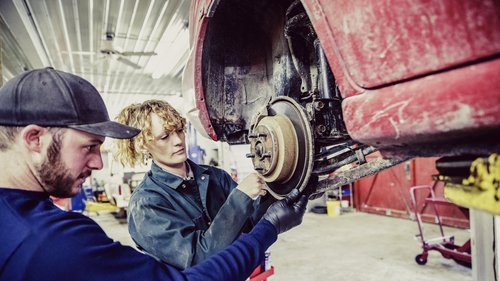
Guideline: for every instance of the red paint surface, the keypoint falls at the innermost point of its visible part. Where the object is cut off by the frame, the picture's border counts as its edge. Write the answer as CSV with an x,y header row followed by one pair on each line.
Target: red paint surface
x,y
431,109
377,43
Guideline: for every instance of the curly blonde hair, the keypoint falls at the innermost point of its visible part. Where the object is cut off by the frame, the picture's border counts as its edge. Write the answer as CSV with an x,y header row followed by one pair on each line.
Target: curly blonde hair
x,y
138,115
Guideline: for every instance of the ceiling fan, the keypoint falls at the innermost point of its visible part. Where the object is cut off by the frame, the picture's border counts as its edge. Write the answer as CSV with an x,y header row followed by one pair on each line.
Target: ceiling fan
x,y
109,49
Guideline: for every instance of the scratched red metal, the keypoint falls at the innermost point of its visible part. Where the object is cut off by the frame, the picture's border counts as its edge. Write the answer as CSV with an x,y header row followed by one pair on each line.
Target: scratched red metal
x,y
375,43
434,108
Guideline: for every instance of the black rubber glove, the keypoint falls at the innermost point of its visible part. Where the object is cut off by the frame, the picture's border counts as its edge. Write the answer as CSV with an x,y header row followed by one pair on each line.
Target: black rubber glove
x,y
287,213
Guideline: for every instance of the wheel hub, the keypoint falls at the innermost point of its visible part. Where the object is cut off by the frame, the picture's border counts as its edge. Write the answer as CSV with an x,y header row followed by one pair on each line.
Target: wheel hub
x,y
281,146
274,146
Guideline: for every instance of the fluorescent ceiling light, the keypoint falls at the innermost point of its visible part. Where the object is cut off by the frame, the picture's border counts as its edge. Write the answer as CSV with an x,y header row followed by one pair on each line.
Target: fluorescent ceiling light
x,y
172,50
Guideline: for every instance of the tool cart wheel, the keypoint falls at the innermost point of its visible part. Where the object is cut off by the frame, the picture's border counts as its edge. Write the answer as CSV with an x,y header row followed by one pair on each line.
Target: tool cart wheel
x,y
420,260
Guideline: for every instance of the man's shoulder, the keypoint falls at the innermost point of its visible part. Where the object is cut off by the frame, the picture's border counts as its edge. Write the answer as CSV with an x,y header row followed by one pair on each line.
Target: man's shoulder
x,y
14,230
30,228
39,216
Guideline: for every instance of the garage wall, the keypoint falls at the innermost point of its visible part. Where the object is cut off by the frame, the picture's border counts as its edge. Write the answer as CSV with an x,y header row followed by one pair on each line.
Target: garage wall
x,y
388,193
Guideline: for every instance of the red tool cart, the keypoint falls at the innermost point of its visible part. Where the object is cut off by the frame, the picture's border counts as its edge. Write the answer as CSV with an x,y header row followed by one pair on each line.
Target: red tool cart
x,y
261,274
445,245
263,271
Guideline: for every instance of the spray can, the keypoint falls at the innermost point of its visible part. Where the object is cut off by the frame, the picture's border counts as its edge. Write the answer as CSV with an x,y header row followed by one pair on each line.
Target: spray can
x,y
267,262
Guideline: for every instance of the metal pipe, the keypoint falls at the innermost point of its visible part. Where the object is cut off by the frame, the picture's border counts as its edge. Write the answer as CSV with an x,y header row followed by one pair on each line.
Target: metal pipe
x,y
326,81
349,176
334,163
326,154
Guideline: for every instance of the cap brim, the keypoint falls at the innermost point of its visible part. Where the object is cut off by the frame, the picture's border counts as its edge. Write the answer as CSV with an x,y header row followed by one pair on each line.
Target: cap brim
x,y
108,129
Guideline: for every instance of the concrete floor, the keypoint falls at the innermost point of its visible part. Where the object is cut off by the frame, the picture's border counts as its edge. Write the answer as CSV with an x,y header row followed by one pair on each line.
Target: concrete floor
x,y
353,246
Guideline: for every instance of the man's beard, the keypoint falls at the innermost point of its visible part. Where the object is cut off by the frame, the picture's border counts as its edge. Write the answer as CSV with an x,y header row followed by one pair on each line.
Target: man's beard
x,y
55,178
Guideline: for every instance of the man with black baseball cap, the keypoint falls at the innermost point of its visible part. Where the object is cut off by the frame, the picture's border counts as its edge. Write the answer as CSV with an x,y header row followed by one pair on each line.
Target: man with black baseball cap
x,y
52,125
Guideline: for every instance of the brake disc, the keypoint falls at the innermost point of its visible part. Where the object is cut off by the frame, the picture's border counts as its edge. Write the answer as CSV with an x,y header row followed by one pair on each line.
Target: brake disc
x,y
281,147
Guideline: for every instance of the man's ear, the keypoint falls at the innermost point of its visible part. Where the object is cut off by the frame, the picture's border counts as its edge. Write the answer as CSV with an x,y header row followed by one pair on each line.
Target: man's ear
x,y
31,136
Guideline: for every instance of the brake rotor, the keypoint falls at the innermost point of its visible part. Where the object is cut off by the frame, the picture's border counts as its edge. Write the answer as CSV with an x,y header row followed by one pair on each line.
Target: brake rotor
x,y
281,147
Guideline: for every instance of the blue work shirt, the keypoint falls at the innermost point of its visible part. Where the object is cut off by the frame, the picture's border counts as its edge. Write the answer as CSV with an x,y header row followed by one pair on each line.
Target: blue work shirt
x,y
181,226
41,242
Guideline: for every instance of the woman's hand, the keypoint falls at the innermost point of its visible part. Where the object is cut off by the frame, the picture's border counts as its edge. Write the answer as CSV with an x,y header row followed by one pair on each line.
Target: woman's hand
x,y
253,185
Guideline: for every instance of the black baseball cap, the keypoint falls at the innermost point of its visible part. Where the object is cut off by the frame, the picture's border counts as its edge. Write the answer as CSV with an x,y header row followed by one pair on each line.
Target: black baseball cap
x,y
53,98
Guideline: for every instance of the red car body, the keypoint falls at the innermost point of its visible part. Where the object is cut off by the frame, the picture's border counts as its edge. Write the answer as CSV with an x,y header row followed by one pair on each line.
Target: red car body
x,y
416,78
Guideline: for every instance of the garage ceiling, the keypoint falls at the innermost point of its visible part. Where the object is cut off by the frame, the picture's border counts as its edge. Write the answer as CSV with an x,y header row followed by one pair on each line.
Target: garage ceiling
x,y
118,45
